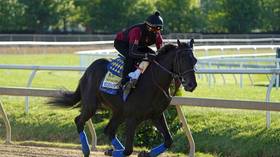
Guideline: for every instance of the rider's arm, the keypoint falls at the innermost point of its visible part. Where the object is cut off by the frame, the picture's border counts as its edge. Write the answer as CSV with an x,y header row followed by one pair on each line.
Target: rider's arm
x,y
134,37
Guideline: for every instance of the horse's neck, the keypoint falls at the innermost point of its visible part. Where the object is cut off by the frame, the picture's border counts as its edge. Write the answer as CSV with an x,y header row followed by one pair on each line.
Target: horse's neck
x,y
162,77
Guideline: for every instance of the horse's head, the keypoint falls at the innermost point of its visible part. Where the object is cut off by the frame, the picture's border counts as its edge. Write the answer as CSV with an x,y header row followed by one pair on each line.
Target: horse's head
x,y
184,63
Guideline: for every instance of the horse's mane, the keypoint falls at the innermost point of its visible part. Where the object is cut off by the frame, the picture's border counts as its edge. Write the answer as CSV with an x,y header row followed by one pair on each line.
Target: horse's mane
x,y
166,48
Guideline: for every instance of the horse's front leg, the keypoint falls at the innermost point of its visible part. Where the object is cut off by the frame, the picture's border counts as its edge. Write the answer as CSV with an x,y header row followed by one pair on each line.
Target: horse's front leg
x,y
161,125
131,125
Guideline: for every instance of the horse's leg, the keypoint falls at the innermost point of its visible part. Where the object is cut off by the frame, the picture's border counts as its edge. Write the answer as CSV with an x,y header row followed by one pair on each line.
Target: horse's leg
x,y
110,130
89,107
161,125
131,125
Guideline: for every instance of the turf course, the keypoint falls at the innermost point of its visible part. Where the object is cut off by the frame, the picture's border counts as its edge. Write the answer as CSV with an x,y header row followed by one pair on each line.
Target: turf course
x,y
217,132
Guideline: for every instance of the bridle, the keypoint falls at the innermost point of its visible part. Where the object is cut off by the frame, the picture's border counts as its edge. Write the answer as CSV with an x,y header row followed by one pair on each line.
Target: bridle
x,y
175,75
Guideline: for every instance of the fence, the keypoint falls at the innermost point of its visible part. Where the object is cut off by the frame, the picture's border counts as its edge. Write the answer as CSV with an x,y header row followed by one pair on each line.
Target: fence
x,y
273,72
87,57
177,101
237,61
209,38
20,47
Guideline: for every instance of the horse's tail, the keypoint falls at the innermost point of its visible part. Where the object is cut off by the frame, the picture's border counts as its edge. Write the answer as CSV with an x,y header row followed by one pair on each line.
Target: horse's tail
x,y
67,98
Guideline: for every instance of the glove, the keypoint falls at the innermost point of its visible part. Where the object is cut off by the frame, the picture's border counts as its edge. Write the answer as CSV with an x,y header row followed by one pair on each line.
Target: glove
x,y
150,56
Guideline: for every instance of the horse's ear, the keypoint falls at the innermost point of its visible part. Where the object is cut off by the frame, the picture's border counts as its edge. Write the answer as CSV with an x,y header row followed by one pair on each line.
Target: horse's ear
x,y
191,43
178,43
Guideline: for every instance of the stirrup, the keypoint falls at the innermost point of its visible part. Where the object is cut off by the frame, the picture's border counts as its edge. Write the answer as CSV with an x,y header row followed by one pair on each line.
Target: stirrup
x,y
133,83
127,88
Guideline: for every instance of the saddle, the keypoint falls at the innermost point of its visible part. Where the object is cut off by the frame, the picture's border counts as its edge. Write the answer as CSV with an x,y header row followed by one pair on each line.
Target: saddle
x,y
111,81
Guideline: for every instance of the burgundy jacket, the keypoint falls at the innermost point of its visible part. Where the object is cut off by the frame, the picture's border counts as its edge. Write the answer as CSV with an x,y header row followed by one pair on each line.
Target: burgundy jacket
x,y
145,38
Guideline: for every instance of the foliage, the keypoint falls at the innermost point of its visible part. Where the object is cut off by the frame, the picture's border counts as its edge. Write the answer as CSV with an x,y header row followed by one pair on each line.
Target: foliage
x,y
270,15
176,15
241,16
110,16
10,15
214,14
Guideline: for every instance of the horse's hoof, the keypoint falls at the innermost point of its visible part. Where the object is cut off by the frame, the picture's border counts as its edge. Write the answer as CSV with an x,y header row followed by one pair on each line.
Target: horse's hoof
x,y
144,154
108,152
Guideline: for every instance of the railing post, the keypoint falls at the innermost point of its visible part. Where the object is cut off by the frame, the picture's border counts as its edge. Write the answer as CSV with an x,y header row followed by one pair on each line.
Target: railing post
x,y
93,134
7,125
277,66
267,99
241,76
28,86
186,130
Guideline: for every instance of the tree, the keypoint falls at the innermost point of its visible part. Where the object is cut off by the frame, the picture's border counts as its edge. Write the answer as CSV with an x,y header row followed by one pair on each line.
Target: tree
x,y
176,15
140,11
39,15
67,14
11,13
270,16
213,13
241,16
105,16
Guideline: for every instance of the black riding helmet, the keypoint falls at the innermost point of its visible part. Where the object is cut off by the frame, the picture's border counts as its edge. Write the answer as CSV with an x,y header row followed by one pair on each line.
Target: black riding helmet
x,y
155,21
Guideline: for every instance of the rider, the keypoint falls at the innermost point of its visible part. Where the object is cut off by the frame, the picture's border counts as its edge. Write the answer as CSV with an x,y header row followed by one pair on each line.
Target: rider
x,y
133,44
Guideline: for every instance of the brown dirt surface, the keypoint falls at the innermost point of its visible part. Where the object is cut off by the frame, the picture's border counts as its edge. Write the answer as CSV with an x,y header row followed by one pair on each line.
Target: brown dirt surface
x,y
35,151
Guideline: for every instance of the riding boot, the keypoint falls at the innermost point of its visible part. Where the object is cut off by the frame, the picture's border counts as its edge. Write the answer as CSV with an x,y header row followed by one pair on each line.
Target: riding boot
x,y
131,83
127,67
126,90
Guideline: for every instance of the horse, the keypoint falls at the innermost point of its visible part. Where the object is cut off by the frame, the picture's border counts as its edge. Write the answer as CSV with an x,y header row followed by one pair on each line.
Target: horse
x,y
147,101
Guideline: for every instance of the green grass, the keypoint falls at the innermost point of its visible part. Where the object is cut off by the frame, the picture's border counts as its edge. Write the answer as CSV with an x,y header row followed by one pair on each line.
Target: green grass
x,y
217,132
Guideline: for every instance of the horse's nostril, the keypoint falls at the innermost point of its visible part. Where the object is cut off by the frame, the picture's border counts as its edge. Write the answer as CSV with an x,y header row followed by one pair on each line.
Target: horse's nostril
x,y
191,84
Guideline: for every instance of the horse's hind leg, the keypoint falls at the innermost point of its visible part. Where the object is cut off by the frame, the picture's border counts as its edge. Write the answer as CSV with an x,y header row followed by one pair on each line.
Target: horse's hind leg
x,y
161,125
131,125
89,107
110,130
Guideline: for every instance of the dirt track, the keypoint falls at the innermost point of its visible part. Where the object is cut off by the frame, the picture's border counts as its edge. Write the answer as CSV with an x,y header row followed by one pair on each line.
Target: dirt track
x,y
31,151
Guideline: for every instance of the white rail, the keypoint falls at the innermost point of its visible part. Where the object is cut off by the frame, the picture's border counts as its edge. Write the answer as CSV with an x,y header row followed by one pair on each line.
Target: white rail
x,y
177,101
274,72
190,101
110,37
87,57
43,43
208,47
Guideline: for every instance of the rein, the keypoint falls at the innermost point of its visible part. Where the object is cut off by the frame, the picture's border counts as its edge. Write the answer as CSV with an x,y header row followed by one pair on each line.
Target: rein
x,y
175,76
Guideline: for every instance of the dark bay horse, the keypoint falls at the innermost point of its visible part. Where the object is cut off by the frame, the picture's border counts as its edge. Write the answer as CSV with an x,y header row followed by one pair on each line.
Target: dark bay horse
x,y
146,102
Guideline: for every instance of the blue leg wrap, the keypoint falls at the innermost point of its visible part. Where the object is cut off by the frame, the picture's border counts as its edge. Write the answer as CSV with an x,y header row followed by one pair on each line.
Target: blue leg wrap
x,y
84,142
118,153
117,144
157,150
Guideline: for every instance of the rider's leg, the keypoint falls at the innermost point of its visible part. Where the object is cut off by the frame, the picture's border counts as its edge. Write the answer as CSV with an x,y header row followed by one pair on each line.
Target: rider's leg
x,y
128,66
122,48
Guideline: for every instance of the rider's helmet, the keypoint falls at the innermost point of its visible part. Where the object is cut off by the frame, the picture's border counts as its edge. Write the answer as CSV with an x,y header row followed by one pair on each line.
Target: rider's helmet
x,y
154,22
